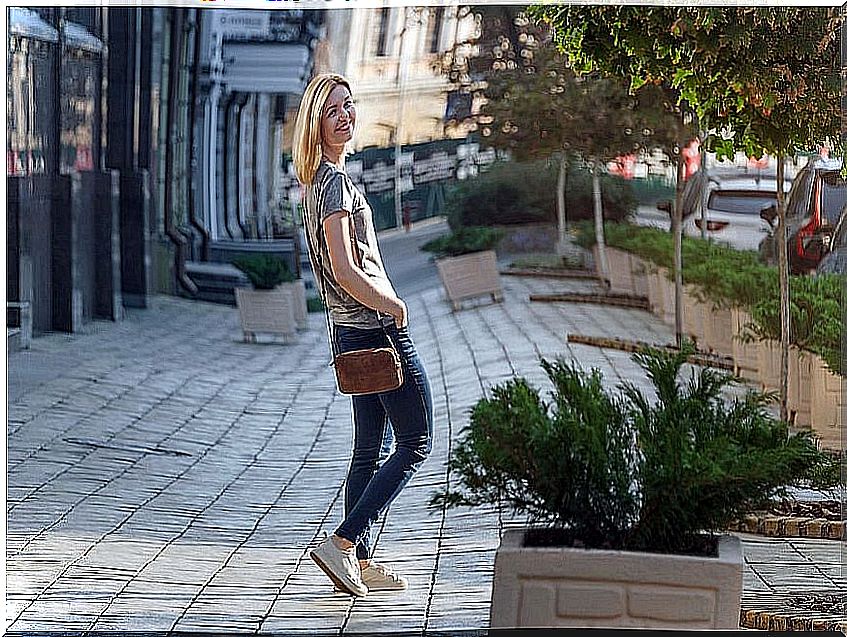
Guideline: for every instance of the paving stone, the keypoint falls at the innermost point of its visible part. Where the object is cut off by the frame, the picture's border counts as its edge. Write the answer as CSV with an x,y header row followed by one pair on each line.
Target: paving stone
x,y
222,462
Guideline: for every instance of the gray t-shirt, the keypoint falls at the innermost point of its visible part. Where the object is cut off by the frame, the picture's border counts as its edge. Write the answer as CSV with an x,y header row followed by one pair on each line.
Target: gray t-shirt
x,y
332,190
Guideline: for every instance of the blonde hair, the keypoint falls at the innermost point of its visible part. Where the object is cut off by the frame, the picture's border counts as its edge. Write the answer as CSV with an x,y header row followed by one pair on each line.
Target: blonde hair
x,y
306,149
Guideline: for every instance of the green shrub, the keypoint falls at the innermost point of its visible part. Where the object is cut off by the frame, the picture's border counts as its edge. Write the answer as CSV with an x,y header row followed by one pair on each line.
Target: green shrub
x,y
314,304
613,470
736,278
525,192
815,316
264,271
649,191
464,241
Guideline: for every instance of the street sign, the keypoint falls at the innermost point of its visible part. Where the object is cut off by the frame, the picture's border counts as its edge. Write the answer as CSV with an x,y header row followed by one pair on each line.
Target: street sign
x,y
234,23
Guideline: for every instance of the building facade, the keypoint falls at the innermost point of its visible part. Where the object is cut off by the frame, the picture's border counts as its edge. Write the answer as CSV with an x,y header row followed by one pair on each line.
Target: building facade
x,y
392,56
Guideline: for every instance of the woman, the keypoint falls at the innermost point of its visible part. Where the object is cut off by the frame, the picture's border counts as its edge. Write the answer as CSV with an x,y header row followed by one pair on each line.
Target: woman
x,y
364,311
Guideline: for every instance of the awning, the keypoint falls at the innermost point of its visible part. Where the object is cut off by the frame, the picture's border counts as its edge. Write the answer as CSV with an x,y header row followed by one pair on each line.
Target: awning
x,y
266,67
77,36
28,24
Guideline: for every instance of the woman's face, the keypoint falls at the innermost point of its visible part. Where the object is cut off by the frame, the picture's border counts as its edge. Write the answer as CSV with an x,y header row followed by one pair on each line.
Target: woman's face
x,y
338,118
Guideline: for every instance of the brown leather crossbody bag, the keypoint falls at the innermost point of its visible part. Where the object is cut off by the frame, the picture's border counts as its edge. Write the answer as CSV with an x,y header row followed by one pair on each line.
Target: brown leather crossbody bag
x,y
363,371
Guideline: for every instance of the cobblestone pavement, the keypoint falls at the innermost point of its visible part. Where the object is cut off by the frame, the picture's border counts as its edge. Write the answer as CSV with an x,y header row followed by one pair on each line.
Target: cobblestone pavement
x,y
163,475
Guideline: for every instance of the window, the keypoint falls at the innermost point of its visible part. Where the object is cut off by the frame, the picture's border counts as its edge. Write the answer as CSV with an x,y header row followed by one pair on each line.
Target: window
x,y
382,32
436,24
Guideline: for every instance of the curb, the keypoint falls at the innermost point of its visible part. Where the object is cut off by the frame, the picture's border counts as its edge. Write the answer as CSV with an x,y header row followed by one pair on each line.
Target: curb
x,y
639,346
786,526
787,616
613,300
543,273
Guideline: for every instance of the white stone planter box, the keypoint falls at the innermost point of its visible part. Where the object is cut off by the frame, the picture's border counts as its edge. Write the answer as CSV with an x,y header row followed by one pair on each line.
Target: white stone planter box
x,y
694,315
800,386
655,290
745,354
826,408
553,586
469,276
620,271
717,330
297,289
640,285
266,312
768,356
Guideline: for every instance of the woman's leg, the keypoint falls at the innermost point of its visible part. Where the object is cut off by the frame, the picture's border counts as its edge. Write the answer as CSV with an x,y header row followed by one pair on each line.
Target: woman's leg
x,y
369,428
409,410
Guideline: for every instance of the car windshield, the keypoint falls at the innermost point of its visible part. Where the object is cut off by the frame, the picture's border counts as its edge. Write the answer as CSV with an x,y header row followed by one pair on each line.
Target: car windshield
x,y
833,197
740,202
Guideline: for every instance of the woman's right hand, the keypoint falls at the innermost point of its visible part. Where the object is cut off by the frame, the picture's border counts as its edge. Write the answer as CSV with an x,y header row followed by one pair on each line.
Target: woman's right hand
x,y
400,312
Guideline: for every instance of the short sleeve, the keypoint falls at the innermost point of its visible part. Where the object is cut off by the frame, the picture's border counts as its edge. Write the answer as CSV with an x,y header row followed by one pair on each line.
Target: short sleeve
x,y
338,195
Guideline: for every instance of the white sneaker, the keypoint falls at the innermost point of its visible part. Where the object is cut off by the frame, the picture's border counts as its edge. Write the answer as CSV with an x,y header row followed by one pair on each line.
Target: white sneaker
x,y
341,566
378,577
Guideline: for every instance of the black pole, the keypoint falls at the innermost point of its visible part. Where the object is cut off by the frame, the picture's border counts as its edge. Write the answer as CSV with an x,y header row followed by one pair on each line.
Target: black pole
x,y
194,30
178,238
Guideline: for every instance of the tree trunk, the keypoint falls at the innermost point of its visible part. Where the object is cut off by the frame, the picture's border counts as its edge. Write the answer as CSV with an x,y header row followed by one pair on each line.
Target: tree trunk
x,y
784,299
603,266
704,196
676,227
561,248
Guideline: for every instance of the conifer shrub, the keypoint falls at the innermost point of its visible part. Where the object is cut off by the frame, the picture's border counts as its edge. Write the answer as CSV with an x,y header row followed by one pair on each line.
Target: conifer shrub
x,y
614,470
264,271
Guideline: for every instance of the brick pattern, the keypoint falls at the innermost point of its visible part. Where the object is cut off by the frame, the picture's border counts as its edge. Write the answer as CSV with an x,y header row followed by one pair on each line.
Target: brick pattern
x,y
164,475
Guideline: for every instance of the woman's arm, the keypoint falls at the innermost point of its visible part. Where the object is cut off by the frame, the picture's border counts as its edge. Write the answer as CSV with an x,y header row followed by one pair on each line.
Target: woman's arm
x,y
350,276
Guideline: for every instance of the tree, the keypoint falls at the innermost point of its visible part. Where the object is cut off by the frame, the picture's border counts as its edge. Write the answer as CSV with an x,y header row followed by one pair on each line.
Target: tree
x,y
764,80
533,104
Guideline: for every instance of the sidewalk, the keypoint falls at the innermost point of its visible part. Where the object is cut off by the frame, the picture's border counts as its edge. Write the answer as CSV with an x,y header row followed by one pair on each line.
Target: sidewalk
x,y
165,475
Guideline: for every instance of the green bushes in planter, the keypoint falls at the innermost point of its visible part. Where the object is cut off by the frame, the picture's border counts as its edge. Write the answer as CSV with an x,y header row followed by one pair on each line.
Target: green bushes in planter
x,y
525,192
734,278
612,470
464,241
264,271
815,317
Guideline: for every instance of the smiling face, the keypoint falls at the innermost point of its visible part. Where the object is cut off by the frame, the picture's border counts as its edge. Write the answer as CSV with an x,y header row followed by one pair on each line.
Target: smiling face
x,y
339,118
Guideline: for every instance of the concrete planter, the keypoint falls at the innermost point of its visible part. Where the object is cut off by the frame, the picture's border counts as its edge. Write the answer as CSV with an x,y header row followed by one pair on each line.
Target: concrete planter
x,y
717,330
826,404
469,276
767,355
553,586
694,316
266,312
668,314
620,271
297,290
640,286
800,386
655,290
745,354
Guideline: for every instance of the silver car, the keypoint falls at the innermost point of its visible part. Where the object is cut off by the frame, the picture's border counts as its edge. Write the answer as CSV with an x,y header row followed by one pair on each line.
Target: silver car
x,y
733,201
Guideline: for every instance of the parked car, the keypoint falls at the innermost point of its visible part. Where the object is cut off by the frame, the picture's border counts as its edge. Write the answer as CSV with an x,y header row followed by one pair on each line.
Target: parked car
x,y
734,199
835,248
814,209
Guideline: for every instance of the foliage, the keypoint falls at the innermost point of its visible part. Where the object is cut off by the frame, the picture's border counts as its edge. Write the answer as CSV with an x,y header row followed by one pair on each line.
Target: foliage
x,y
768,74
264,270
815,317
734,278
465,240
524,192
614,470
314,304
651,190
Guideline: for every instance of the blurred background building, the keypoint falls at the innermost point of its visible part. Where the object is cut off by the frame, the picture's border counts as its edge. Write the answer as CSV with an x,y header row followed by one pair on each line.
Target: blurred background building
x,y
149,147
